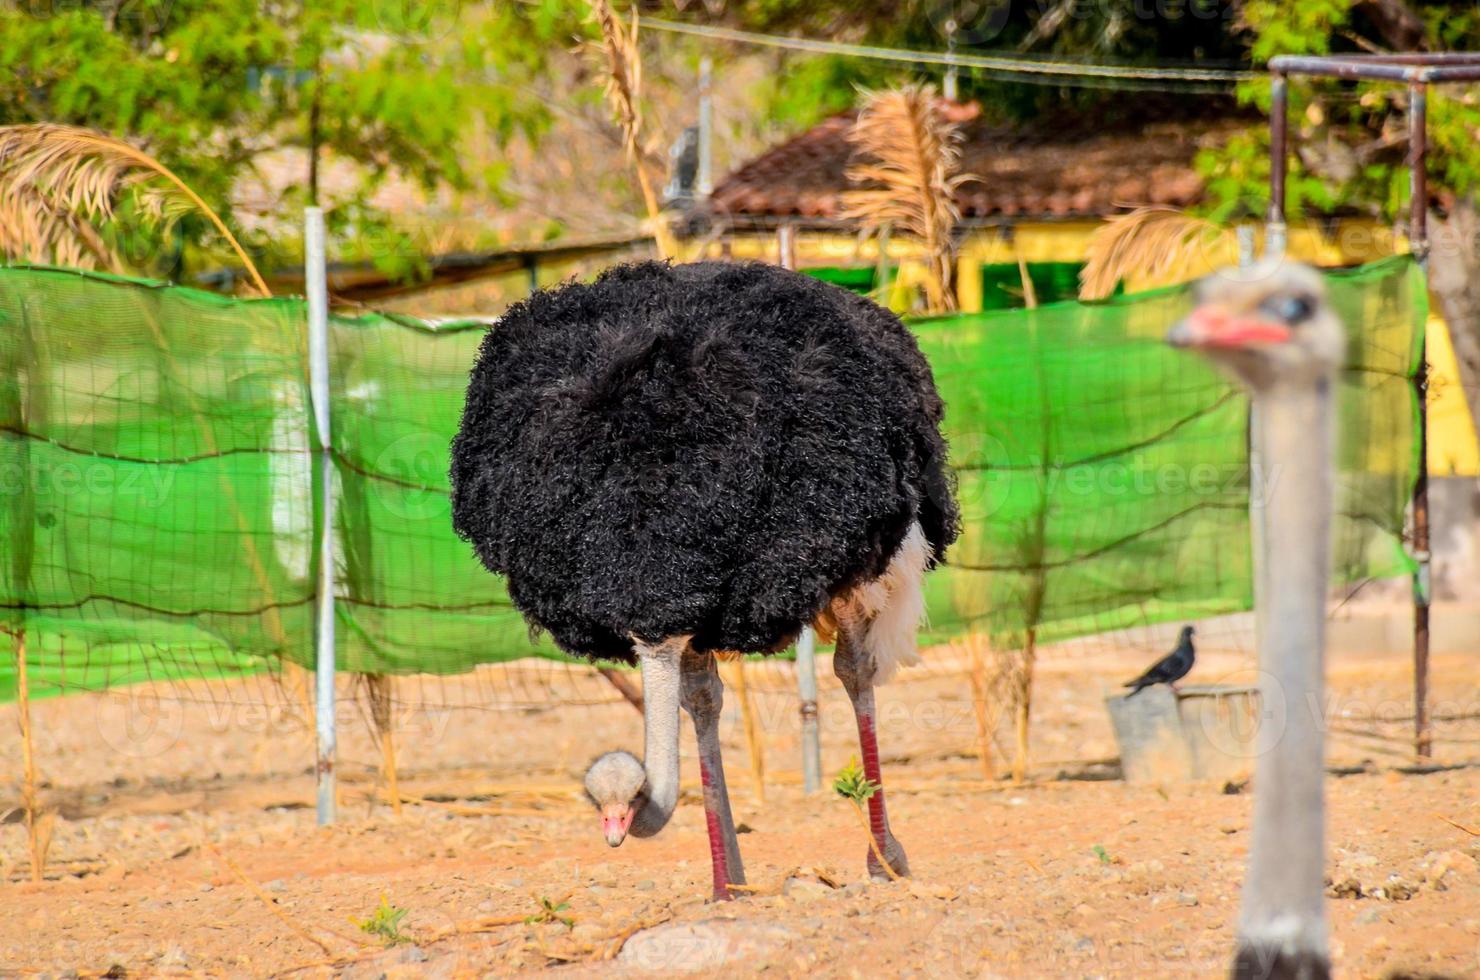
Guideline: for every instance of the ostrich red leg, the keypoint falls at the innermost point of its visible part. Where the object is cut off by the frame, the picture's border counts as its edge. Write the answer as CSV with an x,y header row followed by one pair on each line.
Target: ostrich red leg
x,y
703,697
855,668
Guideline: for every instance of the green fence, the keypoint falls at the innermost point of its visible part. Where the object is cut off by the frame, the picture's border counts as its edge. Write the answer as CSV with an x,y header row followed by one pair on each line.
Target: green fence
x,y
156,497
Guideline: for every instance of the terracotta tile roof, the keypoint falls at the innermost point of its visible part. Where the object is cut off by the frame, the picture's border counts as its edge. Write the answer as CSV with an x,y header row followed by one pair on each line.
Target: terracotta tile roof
x,y
1058,171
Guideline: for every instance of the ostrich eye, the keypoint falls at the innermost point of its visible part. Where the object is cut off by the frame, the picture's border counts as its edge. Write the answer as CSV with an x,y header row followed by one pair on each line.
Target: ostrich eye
x,y
1291,309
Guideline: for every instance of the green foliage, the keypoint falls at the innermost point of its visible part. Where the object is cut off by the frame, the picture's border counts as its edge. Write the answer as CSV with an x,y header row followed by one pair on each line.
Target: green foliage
x,y
1103,854
809,87
852,784
1280,27
385,924
550,911
213,90
1348,139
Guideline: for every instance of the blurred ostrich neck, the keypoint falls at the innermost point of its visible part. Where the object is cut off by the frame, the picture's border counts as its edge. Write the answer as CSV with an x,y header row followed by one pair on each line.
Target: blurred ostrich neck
x,y
1283,906
660,693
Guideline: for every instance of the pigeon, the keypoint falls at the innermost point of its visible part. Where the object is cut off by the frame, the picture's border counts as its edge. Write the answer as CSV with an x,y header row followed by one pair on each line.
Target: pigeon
x,y
1169,669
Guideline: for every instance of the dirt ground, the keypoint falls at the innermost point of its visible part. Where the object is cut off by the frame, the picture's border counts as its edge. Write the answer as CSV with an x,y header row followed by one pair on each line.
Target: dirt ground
x,y
183,838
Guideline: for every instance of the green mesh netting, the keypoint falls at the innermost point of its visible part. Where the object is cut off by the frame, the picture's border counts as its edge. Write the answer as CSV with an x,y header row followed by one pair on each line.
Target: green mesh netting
x,y
157,499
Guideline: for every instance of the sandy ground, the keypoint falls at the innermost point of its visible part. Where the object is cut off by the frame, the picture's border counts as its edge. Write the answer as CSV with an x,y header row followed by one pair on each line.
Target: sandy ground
x,y
183,839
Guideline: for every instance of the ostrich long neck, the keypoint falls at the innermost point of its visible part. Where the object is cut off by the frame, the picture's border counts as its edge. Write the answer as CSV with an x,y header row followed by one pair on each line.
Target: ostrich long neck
x,y
661,666
1283,908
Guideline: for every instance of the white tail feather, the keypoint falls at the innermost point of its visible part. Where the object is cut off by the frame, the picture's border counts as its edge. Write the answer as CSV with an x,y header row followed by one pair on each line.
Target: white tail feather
x,y
895,606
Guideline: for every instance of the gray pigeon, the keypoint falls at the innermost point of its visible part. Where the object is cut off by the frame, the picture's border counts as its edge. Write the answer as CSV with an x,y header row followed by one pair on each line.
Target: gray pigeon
x,y
1169,669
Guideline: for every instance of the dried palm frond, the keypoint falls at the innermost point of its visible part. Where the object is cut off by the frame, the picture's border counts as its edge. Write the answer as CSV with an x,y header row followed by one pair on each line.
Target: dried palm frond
x,y
622,68
380,696
58,182
1159,245
915,150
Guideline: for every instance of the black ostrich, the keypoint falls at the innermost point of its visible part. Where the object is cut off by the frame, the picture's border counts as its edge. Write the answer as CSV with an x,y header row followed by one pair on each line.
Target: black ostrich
x,y
675,461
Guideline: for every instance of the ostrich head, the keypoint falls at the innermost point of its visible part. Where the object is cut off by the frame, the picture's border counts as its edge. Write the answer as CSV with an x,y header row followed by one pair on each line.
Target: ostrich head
x,y
1266,324
616,783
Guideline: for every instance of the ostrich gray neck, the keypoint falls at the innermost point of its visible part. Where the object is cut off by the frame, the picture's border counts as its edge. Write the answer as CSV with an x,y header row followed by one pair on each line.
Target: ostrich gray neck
x,y
1283,914
661,666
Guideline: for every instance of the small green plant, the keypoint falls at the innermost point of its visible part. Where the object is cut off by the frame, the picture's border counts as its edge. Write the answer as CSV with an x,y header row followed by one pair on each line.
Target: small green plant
x,y
1103,854
385,924
852,785
549,911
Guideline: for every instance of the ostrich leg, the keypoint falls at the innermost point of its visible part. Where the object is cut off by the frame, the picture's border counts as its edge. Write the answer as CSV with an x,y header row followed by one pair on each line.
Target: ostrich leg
x,y
703,697
855,668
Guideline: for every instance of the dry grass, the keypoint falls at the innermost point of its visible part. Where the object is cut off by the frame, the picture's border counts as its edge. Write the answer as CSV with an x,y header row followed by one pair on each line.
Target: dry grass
x,y
622,66
915,151
1158,245
57,183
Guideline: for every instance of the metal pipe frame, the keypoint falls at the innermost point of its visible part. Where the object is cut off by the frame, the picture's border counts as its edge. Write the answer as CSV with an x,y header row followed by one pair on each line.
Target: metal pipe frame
x,y
1418,71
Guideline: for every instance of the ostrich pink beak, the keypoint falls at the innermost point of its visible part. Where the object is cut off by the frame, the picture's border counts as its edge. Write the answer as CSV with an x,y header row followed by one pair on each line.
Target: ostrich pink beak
x,y
616,818
1211,327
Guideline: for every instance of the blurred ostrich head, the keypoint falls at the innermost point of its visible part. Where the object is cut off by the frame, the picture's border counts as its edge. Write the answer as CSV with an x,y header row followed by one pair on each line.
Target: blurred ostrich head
x,y
615,782
1267,323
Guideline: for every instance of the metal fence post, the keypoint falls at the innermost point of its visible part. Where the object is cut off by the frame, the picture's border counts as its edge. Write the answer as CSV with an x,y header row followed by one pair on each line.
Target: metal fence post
x,y
786,248
1418,245
704,180
315,281
807,693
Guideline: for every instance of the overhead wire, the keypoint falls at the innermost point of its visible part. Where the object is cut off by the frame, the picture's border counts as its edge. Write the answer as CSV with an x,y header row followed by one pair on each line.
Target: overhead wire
x,y
1030,70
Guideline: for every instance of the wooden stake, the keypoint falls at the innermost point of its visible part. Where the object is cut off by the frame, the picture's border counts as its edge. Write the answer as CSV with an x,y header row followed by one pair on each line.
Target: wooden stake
x,y
379,689
753,741
1024,706
979,702
28,754
623,686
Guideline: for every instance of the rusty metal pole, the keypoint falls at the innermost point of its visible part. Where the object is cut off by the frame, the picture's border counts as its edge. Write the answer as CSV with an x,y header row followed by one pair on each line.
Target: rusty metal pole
x,y
786,251
1418,245
1279,125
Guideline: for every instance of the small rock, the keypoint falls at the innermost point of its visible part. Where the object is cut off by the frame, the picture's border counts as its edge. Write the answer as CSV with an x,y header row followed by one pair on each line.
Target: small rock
x,y
646,885
277,886
1369,917
1397,890
515,882
805,889
412,954
588,933
704,946
925,889
1346,888
1187,899
486,905
1443,868
207,887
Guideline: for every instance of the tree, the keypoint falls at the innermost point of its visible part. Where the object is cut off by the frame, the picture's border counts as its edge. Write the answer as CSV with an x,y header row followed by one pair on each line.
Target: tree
x,y
1350,141
1125,31
212,90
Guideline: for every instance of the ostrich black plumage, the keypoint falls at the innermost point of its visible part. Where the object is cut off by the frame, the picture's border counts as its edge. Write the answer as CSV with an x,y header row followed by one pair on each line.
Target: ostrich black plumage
x,y
674,461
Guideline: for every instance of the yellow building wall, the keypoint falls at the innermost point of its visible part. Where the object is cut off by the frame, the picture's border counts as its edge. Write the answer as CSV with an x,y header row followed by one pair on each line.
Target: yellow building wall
x,y
1454,449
